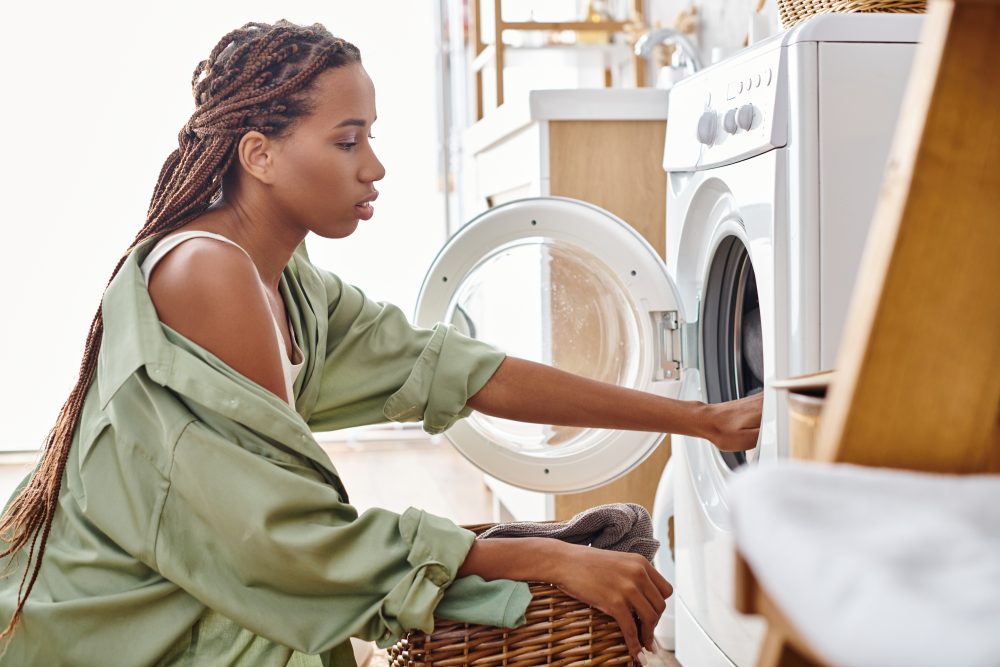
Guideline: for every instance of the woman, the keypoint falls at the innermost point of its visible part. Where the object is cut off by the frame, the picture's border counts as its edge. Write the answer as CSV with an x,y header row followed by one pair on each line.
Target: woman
x,y
182,512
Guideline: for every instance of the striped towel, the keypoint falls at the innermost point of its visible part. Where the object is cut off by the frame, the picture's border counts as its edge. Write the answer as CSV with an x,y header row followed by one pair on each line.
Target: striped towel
x,y
615,527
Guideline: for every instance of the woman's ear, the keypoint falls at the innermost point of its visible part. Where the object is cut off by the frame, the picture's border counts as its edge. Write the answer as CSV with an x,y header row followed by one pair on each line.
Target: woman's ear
x,y
256,155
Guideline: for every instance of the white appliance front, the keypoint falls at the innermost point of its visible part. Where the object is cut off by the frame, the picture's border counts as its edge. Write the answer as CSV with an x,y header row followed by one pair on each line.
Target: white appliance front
x,y
566,283
729,261
773,165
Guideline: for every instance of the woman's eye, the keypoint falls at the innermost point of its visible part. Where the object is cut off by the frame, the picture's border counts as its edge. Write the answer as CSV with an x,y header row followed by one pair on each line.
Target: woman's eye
x,y
348,145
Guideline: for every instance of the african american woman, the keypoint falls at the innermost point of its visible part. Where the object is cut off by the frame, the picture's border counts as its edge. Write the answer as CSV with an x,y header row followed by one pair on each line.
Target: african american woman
x,y
182,511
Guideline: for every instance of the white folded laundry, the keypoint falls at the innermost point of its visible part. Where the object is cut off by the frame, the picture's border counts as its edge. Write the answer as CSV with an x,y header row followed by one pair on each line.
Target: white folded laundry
x,y
877,567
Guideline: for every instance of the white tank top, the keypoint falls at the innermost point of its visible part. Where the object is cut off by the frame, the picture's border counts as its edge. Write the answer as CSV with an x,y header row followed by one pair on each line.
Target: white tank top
x,y
171,241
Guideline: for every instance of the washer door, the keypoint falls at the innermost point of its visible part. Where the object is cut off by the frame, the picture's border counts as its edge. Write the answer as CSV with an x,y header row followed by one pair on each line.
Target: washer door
x,y
565,283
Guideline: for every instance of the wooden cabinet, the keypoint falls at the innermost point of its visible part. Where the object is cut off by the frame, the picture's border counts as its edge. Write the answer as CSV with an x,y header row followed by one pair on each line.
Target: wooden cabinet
x,y
601,146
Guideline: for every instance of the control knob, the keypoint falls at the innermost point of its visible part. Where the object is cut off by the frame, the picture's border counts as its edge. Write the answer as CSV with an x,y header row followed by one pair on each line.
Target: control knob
x,y
744,117
729,121
707,127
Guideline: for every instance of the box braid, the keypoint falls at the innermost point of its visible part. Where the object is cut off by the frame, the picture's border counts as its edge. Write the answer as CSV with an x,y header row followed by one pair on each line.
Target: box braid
x,y
258,77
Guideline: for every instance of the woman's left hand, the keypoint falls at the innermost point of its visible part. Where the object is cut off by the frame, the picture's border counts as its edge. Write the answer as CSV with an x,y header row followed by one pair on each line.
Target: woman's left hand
x,y
734,426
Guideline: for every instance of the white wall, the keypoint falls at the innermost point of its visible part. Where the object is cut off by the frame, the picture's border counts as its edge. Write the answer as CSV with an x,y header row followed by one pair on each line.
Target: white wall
x,y
723,24
94,94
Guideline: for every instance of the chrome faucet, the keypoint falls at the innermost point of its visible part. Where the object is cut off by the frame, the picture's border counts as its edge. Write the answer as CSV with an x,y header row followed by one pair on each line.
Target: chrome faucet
x,y
686,53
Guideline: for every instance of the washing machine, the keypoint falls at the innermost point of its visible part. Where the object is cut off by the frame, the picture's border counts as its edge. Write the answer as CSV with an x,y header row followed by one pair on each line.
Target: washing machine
x,y
774,160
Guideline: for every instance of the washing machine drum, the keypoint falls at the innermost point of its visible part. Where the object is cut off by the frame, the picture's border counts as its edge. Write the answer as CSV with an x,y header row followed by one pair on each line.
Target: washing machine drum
x,y
732,340
753,348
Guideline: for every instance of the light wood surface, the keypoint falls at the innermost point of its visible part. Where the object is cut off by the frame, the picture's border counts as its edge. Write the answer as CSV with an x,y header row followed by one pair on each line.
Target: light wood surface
x,y
919,380
617,166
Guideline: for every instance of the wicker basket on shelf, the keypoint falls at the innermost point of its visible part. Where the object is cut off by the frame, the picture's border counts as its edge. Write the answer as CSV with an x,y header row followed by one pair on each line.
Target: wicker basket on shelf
x,y
793,11
559,630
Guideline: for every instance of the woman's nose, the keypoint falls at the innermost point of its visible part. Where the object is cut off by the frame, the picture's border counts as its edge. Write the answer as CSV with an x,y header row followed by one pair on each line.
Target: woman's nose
x,y
374,170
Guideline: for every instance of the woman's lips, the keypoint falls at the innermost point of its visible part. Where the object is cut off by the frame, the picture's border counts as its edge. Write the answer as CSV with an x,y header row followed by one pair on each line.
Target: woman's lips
x,y
364,208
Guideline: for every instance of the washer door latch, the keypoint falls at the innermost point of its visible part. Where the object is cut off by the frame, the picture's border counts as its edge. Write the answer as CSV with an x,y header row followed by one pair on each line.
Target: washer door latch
x,y
675,341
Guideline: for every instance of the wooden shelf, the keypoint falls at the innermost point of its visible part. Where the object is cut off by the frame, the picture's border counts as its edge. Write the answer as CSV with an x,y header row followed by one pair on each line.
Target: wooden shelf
x,y
484,53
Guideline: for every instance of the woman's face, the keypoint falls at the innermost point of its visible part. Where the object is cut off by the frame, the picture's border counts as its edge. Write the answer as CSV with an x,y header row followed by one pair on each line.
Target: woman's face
x,y
325,168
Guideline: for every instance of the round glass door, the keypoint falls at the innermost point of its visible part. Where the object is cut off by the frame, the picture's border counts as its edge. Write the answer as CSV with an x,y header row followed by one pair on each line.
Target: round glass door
x,y
552,302
566,284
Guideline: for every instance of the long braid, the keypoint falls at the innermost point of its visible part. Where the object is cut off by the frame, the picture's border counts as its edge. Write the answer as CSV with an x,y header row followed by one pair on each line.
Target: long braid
x,y
257,77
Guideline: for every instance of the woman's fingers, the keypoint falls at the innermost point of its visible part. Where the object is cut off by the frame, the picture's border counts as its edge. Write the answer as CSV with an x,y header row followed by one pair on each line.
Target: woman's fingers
x,y
663,586
633,597
656,590
648,617
623,616
737,423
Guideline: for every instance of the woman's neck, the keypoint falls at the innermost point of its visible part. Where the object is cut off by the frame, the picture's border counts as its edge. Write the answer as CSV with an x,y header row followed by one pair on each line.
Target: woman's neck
x,y
268,241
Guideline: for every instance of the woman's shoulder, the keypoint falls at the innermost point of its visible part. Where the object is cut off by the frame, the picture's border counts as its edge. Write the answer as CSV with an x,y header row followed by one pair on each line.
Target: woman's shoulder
x,y
209,292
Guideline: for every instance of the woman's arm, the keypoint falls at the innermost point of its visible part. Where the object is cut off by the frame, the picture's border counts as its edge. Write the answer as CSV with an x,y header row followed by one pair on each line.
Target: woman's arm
x,y
624,586
530,392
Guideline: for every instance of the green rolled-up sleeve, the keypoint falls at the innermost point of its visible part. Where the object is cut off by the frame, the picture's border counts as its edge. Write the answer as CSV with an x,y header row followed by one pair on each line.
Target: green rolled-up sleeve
x,y
273,548
379,367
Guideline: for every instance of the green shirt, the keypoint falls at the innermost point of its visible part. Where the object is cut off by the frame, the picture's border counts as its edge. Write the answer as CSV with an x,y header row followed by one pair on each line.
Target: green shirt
x,y
199,521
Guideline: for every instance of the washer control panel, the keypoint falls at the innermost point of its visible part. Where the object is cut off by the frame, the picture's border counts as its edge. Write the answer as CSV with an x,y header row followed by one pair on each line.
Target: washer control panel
x,y
729,112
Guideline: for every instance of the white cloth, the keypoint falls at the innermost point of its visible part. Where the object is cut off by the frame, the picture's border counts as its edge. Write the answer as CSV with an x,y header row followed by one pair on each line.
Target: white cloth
x,y
877,567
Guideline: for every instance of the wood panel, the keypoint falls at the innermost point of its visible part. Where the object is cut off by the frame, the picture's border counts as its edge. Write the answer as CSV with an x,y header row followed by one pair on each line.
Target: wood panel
x,y
919,380
638,486
616,165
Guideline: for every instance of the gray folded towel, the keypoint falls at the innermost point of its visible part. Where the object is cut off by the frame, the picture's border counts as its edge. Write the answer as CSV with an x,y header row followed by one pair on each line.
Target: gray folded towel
x,y
615,527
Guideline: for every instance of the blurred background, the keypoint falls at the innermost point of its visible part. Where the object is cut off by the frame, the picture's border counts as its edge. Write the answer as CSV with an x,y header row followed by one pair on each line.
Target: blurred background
x,y
97,91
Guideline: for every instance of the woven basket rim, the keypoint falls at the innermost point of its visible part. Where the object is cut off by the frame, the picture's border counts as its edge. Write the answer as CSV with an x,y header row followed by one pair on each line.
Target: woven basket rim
x,y
793,12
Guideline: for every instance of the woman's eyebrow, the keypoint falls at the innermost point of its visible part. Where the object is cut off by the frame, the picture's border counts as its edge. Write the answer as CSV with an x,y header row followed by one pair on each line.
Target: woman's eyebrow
x,y
352,121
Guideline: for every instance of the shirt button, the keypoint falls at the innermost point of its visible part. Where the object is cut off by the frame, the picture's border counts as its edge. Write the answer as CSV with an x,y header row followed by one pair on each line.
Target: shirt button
x,y
233,402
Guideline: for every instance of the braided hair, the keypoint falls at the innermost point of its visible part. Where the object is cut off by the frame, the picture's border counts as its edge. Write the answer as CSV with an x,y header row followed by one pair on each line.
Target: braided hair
x,y
257,78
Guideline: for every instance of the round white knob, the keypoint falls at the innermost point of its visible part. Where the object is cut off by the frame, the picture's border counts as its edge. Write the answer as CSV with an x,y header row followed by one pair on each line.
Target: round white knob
x,y
729,121
744,117
706,127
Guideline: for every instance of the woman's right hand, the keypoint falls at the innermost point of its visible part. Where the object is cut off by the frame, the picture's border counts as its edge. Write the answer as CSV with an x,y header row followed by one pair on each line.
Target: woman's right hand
x,y
734,426
620,585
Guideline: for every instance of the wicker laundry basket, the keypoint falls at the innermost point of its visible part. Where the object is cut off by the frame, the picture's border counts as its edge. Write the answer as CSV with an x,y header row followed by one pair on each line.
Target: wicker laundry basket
x,y
559,630
793,11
